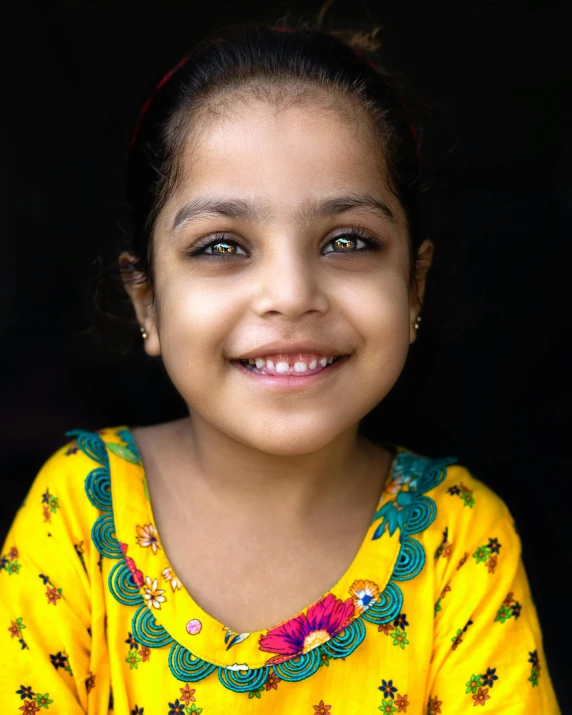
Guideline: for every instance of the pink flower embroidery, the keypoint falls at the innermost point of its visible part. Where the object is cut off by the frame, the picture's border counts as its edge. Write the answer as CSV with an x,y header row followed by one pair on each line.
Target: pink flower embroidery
x,y
135,572
323,621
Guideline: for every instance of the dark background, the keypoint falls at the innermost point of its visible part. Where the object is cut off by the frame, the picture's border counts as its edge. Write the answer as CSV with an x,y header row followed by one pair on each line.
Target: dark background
x,y
496,393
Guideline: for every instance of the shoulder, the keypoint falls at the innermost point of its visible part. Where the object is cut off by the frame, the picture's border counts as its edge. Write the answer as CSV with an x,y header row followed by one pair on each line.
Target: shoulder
x,y
459,508
68,483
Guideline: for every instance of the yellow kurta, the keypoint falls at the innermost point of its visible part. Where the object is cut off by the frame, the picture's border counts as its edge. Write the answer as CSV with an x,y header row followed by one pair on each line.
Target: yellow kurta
x,y
434,614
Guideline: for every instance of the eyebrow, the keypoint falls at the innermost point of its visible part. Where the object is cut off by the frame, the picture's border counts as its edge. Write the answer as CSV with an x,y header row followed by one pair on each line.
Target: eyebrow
x,y
243,209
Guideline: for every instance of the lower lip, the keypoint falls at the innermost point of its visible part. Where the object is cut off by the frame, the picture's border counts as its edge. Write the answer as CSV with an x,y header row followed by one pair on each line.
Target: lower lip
x,y
290,382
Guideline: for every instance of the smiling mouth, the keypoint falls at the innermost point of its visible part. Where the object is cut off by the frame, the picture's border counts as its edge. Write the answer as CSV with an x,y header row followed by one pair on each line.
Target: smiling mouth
x,y
300,369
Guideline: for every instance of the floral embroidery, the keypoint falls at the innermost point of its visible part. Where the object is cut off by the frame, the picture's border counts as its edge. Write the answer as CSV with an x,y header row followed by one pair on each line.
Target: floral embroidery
x,y
391,698
90,682
463,560
388,689
25,692
60,660
50,505
80,552
169,576
153,594
509,609
444,592
402,703
322,709
145,654
399,638
231,638
307,631
53,594
16,628
488,554
187,695
479,685
535,670
458,639
9,562
43,701
177,708
434,705
445,547
364,594
147,536
29,707
463,492
133,659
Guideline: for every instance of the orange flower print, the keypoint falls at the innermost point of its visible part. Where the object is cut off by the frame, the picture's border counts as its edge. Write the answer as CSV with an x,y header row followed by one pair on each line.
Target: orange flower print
x,y
169,576
153,594
147,536
385,628
322,709
480,697
491,563
364,594
509,598
187,695
90,682
53,595
434,706
463,560
145,654
401,702
272,681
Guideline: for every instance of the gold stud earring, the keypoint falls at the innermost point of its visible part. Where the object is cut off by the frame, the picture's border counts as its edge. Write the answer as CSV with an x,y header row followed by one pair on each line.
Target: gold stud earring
x,y
417,322
143,332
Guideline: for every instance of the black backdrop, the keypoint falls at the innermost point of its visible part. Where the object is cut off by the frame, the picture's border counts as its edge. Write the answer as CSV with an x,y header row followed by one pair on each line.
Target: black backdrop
x,y
496,394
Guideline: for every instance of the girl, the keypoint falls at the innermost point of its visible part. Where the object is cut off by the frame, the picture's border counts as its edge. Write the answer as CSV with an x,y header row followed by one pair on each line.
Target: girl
x,y
260,555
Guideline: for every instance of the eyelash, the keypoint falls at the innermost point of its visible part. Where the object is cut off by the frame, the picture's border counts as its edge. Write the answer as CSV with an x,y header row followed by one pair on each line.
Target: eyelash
x,y
355,232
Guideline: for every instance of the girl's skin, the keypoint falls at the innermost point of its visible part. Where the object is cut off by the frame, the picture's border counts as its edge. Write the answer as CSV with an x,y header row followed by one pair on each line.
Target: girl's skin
x,y
263,498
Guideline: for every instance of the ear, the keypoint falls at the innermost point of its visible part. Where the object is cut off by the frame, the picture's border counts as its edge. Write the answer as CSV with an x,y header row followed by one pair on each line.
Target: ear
x,y
138,288
422,265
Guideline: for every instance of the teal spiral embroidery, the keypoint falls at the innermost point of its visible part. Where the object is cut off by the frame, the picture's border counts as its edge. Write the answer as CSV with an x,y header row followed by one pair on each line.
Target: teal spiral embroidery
x,y
123,587
243,681
410,561
416,513
103,535
98,488
147,631
347,641
300,667
387,607
186,667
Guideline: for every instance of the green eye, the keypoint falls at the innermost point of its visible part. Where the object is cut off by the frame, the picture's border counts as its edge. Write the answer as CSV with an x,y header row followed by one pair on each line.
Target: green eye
x,y
343,243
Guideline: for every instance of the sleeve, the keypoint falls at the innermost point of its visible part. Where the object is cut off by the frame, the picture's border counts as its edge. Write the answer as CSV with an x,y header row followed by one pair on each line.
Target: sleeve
x,y
487,648
45,602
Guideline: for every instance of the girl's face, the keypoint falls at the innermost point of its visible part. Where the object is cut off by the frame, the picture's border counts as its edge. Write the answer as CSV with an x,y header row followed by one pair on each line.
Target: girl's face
x,y
286,277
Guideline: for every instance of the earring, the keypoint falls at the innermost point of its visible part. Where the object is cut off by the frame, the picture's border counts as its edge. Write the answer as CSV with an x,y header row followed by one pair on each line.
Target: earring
x,y
417,322
143,332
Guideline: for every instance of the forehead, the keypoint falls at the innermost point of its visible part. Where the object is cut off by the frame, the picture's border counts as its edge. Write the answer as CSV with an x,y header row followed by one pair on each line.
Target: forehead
x,y
280,157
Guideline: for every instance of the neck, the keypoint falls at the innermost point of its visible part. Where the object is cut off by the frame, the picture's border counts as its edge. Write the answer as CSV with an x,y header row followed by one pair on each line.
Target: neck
x,y
231,476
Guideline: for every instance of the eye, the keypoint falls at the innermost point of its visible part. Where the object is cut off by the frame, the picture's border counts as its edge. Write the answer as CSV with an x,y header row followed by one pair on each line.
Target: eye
x,y
344,242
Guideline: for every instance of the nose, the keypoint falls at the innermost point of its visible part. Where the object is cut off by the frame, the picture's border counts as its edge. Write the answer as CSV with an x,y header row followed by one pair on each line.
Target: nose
x,y
289,282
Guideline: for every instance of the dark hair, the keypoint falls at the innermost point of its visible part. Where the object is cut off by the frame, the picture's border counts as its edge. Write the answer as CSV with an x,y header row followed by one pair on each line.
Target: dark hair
x,y
253,56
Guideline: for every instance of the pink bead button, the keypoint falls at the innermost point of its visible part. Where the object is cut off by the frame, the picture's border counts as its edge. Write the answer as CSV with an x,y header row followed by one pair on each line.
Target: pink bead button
x,y
194,627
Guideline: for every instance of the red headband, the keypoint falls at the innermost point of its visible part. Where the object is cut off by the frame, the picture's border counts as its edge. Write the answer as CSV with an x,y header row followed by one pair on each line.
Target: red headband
x,y
216,41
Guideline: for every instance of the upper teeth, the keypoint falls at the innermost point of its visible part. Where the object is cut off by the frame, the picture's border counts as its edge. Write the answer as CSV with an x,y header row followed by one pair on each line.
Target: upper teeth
x,y
299,366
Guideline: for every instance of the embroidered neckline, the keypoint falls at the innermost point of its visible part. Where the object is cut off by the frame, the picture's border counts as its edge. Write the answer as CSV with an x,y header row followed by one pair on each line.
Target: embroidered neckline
x,y
167,615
